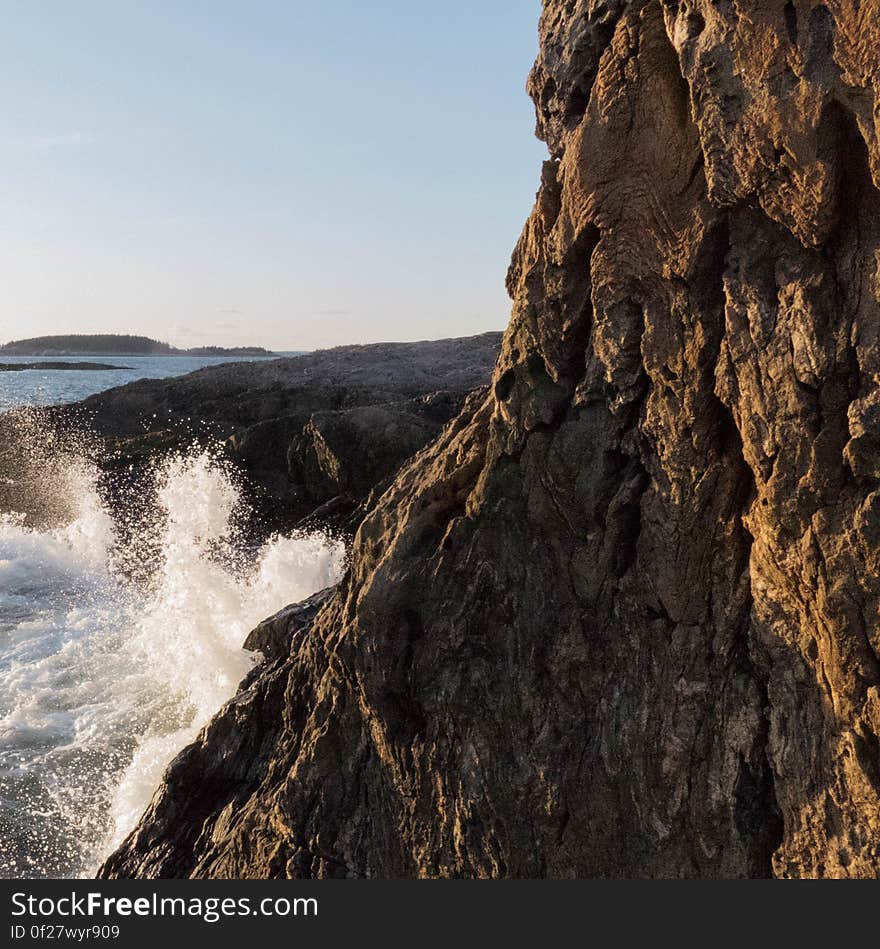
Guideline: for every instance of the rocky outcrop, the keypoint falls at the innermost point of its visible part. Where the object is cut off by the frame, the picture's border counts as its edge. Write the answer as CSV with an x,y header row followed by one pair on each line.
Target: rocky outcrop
x,y
351,451
58,366
621,617
306,431
274,636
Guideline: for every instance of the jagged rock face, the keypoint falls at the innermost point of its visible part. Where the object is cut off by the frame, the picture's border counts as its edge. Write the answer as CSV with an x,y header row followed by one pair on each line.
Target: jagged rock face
x,y
351,451
621,619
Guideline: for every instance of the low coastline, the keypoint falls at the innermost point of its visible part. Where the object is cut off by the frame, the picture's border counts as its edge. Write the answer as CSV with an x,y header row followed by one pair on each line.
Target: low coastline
x,y
119,345
313,435
60,366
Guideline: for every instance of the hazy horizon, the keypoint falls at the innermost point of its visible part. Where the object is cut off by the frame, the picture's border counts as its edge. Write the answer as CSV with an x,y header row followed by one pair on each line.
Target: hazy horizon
x,y
277,175
425,339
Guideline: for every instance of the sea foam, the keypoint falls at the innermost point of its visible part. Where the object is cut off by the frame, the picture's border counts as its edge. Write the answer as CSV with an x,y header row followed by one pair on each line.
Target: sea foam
x,y
104,677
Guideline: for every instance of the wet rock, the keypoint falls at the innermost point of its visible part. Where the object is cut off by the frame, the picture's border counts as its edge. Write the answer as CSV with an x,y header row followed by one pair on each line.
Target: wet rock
x,y
273,637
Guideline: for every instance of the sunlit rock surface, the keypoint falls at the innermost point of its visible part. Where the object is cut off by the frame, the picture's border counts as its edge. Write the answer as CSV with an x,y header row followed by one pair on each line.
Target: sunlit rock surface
x,y
621,618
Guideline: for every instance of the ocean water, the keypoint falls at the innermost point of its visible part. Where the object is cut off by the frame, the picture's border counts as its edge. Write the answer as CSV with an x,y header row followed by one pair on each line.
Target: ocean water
x,y
114,652
52,386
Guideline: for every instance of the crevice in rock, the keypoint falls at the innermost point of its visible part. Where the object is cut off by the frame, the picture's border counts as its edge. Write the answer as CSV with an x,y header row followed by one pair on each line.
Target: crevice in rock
x,y
757,814
628,516
867,749
820,55
791,22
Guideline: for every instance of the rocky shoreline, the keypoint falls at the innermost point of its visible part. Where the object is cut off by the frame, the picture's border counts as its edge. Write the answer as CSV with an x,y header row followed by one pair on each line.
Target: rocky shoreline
x,y
311,435
58,366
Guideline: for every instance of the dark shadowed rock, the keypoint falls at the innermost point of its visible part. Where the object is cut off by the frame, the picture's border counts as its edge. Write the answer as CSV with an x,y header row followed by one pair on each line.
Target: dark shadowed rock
x,y
304,430
230,398
58,366
622,618
273,637
350,451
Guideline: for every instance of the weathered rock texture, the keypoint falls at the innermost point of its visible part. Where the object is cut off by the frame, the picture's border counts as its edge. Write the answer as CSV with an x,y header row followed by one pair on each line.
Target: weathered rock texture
x,y
621,618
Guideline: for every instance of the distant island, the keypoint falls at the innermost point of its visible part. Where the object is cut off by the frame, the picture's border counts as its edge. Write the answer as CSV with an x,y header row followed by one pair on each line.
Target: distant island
x,y
43,366
116,345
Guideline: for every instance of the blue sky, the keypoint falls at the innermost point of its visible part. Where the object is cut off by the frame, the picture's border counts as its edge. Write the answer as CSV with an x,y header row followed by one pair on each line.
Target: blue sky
x,y
289,174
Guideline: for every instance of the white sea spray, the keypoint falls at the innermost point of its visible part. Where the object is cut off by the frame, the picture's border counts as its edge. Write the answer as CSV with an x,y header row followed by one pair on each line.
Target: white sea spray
x,y
104,677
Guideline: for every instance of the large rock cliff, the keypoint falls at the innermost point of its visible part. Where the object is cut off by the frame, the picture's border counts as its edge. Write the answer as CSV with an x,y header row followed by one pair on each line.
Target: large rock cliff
x,y
623,616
